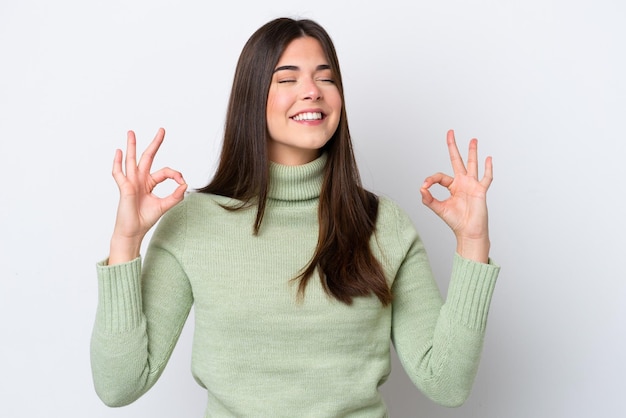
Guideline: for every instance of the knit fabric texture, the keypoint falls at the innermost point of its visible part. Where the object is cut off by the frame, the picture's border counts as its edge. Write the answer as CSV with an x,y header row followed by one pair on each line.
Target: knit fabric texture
x,y
259,350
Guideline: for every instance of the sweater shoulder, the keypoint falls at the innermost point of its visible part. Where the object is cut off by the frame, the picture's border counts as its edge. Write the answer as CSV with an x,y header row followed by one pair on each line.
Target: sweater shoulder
x,y
204,201
395,236
392,219
194,209
197,206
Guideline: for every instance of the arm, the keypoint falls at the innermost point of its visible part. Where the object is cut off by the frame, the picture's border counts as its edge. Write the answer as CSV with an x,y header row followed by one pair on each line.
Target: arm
x,y
140,314
440,343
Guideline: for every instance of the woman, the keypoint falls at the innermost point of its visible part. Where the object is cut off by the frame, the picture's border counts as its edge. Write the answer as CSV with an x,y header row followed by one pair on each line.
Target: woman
x,y
298,276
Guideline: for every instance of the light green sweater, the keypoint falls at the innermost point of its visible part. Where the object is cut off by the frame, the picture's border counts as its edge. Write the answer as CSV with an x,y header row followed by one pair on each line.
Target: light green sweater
x,y
257,350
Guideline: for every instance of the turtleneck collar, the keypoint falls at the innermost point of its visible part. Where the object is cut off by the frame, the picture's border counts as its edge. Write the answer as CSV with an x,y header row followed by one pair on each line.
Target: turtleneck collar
x,y
297,183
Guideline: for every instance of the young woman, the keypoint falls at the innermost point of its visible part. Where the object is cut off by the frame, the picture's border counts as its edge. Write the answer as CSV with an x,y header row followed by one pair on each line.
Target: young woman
x,y
300,278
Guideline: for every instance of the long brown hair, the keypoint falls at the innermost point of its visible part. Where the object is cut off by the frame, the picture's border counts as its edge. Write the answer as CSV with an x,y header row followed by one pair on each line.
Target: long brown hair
x,y
347,212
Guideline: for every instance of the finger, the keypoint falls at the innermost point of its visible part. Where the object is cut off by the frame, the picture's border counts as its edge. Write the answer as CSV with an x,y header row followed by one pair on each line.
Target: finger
x,y
167,173
488,176
131,153
145,162
430,202
117,172
455,156
472,159
438,178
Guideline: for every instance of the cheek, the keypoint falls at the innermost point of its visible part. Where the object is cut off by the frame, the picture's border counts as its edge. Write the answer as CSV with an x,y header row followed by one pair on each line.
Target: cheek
x,y
278,103
333,98
335,102
274,114
269,106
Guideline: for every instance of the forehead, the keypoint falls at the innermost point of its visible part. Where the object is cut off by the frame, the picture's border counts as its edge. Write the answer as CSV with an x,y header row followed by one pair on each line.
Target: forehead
x,y
303,50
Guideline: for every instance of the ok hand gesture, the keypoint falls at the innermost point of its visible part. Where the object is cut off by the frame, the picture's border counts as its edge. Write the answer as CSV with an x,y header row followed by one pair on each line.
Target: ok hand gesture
x,y
465,210
139,209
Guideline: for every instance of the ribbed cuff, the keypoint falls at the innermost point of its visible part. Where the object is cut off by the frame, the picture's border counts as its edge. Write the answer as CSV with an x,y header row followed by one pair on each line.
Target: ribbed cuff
x,y
470,291
119,296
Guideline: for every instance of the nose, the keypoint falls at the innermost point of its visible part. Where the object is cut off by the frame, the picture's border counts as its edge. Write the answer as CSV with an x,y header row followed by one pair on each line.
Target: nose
x,y
311,91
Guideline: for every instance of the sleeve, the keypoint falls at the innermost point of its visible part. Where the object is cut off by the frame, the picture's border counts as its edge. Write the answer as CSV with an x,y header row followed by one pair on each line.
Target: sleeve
x,y
140,315
439,343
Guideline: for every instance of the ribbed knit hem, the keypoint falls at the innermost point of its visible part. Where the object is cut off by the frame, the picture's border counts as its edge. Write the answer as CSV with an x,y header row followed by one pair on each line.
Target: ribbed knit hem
x,y
119,296
470,291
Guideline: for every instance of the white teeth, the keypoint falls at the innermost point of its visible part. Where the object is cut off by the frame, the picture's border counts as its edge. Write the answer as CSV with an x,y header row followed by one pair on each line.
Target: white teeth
x,y
308,116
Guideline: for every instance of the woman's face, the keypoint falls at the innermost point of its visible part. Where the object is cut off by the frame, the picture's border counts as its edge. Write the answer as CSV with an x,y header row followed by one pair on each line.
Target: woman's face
x,y
303,104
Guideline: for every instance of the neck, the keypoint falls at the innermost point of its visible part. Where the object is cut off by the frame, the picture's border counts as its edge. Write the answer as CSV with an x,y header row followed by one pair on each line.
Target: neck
x,y
291,183
292,157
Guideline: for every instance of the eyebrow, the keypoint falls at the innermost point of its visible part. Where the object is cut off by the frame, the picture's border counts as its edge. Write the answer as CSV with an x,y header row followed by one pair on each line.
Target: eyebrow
x,y
296,68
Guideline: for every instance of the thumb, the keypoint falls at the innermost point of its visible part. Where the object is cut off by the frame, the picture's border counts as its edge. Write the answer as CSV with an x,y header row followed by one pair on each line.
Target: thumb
x,y
173,199
430,202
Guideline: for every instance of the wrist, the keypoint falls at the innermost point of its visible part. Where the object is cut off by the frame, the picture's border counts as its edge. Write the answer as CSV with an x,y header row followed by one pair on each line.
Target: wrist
x,y
123,249
475,249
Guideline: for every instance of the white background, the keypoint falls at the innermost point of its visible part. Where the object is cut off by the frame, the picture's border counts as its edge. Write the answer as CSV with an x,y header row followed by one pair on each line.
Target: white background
x,y
539,82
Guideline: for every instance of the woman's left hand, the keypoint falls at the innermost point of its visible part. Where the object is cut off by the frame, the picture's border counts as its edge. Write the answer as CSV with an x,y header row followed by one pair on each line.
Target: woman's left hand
x,y
465,210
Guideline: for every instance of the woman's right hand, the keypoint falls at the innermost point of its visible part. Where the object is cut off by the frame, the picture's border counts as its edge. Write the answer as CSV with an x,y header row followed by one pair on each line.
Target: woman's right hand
x,y
139,209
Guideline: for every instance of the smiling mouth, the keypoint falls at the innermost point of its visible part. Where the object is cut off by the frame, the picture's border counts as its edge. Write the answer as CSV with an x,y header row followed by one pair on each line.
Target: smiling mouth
x,y
308,116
